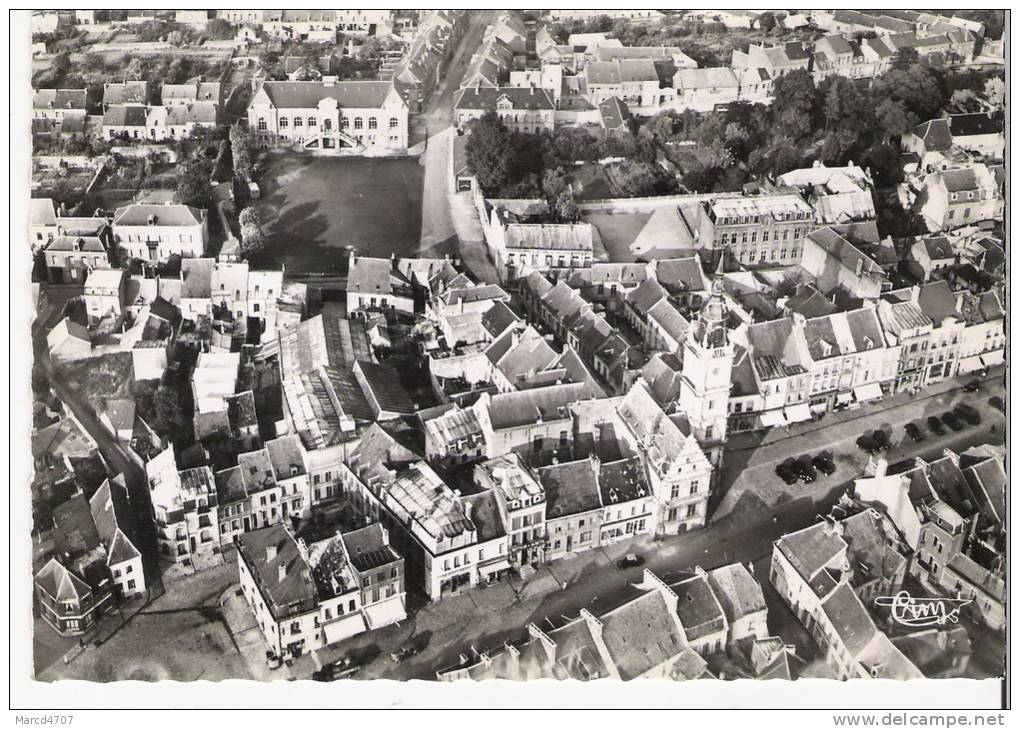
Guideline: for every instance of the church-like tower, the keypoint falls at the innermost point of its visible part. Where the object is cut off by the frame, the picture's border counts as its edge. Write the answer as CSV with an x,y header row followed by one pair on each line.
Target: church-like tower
x,y
705,384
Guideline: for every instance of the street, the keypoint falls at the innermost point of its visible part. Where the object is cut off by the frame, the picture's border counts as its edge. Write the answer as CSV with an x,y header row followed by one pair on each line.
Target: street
x,y
442,233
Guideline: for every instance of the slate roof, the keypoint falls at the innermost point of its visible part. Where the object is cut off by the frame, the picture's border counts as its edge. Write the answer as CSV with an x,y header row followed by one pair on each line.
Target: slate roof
x,y
308,94
513,409
292,593
937,301
169,215
131,92
369,548
74,99
700,612
810,550
527,99
120,115
738,592
620,71
641,635
74,532
551,237
623,481
570,488
230,486
384,382
962,125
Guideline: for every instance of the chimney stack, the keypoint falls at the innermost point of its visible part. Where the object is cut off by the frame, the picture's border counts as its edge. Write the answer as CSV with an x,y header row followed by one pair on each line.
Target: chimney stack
x,y
282,572
467,509
270,552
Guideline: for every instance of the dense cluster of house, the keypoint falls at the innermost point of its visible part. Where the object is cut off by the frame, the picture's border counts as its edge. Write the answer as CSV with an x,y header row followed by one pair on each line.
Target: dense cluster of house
x,y
938,522
567,84
817,306
577,403
711,624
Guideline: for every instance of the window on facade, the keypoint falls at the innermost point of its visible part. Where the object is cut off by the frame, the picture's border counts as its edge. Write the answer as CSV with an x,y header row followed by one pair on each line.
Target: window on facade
x,y
394,122
262,125
284,122
692,510
311,121
345,123
297,121
358,122
373,123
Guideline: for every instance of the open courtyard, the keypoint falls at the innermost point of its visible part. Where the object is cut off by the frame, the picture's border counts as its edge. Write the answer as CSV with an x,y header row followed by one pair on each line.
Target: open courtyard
x,y
315,207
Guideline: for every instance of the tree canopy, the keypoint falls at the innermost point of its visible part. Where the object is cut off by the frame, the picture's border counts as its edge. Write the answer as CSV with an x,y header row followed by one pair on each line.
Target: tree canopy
x,y
490,152
193,185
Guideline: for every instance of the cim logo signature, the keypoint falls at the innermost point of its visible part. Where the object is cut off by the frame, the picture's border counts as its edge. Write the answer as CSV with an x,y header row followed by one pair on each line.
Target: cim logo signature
x,y
923,612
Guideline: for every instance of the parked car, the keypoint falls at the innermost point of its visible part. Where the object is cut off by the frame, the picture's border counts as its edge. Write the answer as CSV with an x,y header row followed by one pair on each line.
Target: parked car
x,y
972,386
881,439
785,471
968,413
824,463
338,669
913,432
405,652
953,421
867,444
935,425
998,403
804,471
630,560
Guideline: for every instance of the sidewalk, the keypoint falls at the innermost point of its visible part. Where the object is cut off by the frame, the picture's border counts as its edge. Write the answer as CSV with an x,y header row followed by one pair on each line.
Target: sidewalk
x,y
753,440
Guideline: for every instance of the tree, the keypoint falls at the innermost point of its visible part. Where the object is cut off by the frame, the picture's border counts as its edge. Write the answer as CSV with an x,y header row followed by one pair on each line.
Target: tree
x,y
61,64
219,29
134,70
240,149
637,179
905,58
963,100
490,153
767,21
566,208
893,119
995,91
193,186
252,239
554,182
793,104
171,413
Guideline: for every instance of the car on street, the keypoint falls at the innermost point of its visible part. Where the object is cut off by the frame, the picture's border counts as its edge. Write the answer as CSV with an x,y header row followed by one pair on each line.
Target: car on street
x,y
824,463
785,471
803,470
867,444
998,403
935,425
953,421
913,432
972,386
405,652
338,669
630,560
881,439
968,413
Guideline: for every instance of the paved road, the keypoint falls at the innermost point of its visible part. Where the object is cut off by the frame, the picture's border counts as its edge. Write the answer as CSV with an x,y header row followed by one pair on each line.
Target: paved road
x,y
438,112
438,230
